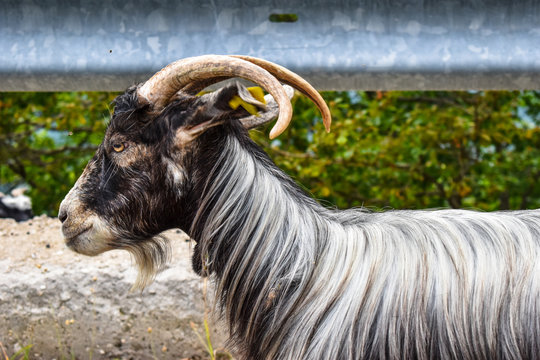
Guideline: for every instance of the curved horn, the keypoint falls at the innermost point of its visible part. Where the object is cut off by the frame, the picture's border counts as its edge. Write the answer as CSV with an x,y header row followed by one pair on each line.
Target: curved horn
x,y
160,88
290,78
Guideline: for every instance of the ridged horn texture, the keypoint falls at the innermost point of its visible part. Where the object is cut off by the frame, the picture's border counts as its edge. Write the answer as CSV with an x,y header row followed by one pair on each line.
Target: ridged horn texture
x,y
290,78
194,74
161,87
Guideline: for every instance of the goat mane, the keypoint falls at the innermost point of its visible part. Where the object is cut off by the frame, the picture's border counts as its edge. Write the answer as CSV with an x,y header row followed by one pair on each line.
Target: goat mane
x,y
398,284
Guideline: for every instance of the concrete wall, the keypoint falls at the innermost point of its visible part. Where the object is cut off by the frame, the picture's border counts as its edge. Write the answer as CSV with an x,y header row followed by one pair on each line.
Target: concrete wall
x,y
65,304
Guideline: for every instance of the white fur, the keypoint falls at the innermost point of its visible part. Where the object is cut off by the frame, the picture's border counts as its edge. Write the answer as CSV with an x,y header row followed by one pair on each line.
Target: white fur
x,y
357,284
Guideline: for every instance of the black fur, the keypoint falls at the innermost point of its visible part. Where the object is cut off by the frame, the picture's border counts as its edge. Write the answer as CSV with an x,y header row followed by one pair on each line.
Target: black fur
x,y
132,198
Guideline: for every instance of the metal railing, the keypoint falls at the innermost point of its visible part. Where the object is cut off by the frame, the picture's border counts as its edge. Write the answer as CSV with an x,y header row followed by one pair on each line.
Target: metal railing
x,y
393,44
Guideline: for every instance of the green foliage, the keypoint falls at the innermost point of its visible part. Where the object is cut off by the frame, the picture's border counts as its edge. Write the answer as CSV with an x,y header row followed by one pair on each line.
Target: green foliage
x,y
47,138
22,354
417,149
386,149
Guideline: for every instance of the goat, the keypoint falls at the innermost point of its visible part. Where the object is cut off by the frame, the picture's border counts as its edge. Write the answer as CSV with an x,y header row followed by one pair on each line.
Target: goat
x,y
294,279
16,206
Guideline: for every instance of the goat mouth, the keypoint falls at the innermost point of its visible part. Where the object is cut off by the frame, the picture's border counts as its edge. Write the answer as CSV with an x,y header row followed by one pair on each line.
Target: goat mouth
x,y
72,238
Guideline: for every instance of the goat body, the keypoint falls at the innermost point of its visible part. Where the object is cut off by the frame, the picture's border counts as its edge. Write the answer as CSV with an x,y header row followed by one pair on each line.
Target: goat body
x,y
296,280
299,281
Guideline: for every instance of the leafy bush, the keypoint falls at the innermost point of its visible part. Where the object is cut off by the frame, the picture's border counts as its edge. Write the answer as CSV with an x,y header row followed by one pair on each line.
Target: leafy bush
x,y
386,149
47,138
417,149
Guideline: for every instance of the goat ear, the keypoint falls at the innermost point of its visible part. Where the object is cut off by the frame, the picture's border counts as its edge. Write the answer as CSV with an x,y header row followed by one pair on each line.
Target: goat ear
x,y
234,101
251,99
270,113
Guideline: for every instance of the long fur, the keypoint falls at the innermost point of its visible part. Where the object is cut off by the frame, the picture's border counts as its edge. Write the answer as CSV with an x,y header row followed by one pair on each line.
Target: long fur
x,y
295,280
298,281
150,256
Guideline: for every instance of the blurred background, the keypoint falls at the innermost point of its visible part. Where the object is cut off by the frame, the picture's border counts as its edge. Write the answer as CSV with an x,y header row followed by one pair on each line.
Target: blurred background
x,y
388,148
416,149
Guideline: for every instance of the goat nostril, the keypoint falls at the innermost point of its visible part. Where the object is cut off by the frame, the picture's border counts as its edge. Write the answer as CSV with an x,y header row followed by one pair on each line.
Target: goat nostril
x,y
62,216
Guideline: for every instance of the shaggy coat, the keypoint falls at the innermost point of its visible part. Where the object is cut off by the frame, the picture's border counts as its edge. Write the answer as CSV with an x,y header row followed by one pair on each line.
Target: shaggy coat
x,y
296,280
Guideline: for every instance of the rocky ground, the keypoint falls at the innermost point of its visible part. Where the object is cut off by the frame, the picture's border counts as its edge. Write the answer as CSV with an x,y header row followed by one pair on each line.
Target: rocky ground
x,y
68,306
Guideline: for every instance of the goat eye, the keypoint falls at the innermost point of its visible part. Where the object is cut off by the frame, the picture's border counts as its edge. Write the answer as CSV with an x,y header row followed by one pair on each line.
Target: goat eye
x,y
118,147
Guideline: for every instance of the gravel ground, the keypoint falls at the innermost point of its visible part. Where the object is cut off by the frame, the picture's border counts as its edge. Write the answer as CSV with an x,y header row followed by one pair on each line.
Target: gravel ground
x,y
71,306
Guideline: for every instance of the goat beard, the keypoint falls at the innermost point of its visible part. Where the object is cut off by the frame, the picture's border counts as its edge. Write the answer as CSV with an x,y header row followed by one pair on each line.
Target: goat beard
x,y
151,256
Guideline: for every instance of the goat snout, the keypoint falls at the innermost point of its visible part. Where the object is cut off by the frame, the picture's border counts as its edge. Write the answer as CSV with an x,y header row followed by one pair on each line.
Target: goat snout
x,y
62,214
84,232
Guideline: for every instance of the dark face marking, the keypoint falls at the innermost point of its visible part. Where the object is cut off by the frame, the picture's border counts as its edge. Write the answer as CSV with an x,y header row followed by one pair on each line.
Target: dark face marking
x,y
128,184
147,174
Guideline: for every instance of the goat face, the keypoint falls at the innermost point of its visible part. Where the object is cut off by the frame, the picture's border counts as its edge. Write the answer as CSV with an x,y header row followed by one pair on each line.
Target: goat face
x,y
138,182
113,202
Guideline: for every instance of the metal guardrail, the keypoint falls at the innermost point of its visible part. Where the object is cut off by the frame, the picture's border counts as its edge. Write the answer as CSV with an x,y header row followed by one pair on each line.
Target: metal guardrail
x,y
55,45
